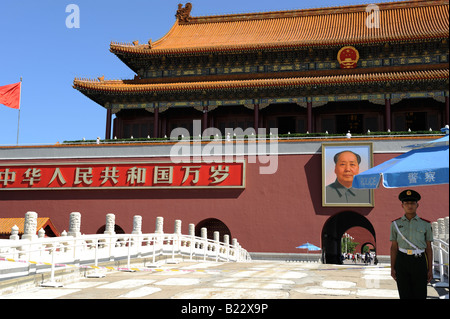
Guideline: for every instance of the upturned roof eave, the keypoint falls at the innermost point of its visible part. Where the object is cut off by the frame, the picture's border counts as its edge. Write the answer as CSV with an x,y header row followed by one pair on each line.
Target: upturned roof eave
x,y
122,50
119,87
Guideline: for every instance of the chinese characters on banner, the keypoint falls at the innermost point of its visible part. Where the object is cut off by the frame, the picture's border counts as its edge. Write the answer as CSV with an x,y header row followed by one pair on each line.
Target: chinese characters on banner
x,y
143,175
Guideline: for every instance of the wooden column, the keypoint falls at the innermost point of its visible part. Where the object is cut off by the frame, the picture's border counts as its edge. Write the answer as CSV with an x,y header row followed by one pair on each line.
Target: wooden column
x,y
108,124
256,118
156,123
205,118
310,119
387,115
163,127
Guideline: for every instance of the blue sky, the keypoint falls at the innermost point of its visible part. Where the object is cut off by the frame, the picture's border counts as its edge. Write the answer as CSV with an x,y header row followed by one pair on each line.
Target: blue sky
x,y
36,44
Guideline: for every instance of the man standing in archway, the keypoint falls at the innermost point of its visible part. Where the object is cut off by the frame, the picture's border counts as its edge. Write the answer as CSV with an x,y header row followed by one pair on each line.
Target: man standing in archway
x,y
411,252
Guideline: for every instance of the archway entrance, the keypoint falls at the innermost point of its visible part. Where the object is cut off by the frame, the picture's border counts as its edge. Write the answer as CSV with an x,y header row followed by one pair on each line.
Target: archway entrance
x,y
117,229
333,230
369,247
212,225
361,238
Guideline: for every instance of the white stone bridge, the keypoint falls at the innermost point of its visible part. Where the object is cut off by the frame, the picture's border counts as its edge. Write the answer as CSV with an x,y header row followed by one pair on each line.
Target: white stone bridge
x,y
36,253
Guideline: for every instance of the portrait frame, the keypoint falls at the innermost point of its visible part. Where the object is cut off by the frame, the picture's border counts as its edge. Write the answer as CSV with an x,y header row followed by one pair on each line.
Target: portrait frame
x,y
333,193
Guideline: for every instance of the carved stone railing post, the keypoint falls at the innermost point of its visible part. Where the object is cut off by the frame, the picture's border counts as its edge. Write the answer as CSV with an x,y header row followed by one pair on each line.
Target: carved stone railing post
x,y
204,236
177,227
217,244
74,224
191,240
446,231
226,241
110,230
137,230
41,233
204,233
159,225
176,240
110,223
435,228
14,233
191,229
137,225
30,226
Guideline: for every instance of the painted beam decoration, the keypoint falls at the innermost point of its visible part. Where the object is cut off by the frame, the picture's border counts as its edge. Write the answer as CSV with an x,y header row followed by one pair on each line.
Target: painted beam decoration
x,y
130,175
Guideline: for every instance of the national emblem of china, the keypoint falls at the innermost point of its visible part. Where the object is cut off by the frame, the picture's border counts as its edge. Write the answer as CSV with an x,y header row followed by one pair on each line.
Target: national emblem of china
x,y
348,57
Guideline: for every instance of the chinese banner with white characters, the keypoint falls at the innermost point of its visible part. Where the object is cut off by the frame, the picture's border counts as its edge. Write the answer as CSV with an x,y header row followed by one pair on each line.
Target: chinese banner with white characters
x,y
134,175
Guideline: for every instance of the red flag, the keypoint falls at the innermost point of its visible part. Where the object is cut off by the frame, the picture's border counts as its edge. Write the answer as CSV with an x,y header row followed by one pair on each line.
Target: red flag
x,y
10,95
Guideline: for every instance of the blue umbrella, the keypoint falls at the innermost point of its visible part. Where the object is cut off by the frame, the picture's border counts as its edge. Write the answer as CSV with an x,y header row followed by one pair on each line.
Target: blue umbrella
x,y
426,165
308,246
436,143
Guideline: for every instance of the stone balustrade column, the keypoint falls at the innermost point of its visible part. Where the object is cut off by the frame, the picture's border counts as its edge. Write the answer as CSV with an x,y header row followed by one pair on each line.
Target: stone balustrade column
x,y
192,234
441,227
41,233
226,240
14,233
159,225
177,227
137,225
191,230
110,223
216,236
204,233
74,224
446,228
30,227
435,228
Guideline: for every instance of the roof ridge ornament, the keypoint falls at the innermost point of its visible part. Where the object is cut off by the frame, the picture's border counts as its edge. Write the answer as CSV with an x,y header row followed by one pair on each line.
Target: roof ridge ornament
x,y
184,14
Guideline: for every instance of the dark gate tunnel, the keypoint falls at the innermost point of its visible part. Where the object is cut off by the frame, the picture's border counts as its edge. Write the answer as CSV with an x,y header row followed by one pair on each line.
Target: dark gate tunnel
x,y
212,225
333,230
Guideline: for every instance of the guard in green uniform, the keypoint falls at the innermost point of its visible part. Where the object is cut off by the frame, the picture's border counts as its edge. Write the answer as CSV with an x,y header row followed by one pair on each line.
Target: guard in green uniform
x,y
411,252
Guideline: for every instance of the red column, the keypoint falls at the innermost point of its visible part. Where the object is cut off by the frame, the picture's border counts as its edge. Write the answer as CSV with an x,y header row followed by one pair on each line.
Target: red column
x,y
205,118
156,123
310,120
108,124
387,115
256,119
163,126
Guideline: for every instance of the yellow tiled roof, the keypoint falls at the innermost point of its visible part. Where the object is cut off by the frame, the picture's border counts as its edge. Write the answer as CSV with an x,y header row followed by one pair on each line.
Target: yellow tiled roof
x,y
405,20
140,86
7,223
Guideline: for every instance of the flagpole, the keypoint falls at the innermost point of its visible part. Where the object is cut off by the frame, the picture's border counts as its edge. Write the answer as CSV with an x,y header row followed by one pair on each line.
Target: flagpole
x,y
18,120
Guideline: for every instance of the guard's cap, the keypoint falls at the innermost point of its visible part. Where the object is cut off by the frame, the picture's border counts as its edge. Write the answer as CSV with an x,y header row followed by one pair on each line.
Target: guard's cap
x,y
409,195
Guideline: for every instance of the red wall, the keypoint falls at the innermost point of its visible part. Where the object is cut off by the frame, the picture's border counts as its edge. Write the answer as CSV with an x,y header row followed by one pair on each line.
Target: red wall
x,y
274,213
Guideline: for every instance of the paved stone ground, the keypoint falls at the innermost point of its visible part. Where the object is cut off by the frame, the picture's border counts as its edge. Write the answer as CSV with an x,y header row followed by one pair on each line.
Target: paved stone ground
x,y
254,280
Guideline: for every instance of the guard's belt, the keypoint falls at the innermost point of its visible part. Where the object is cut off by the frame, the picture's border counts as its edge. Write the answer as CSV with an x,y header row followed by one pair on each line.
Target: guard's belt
x,y
410,252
